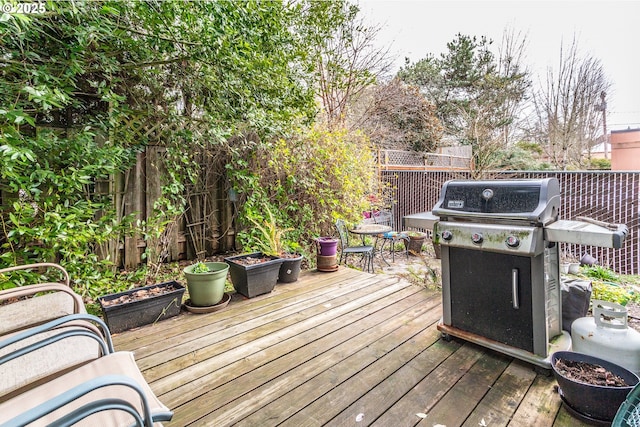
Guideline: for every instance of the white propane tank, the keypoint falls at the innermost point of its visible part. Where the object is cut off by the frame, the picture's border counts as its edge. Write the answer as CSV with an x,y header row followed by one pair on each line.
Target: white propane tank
x,y
606,335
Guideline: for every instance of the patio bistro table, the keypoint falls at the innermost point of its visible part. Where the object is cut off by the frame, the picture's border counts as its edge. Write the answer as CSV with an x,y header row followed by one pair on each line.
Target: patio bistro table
x,y
372,230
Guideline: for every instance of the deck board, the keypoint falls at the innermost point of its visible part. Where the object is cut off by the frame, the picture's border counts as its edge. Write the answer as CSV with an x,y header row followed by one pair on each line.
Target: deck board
x,y
503,398
340,349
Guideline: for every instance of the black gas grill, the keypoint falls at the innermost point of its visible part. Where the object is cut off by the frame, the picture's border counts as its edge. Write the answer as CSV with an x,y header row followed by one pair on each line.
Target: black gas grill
x,y
500,264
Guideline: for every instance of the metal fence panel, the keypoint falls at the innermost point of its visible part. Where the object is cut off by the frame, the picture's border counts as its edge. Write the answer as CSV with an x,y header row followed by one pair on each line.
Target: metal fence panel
x,y
602,195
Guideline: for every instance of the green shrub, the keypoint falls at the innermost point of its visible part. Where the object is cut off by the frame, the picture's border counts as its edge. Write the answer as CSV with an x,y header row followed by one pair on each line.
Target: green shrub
x,y
604,164
600,273
306,181
612,292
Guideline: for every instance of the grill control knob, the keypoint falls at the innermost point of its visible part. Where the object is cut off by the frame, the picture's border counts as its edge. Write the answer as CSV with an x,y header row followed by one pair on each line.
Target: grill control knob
x,y
447,235
487,194
476,238
512,241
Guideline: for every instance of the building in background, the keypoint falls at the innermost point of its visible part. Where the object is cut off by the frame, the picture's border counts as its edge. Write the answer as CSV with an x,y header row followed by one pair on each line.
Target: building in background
x,y
625,150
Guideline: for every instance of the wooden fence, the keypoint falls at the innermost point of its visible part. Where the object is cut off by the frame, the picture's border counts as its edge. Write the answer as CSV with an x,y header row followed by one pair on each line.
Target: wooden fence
x,y
604,196
208,225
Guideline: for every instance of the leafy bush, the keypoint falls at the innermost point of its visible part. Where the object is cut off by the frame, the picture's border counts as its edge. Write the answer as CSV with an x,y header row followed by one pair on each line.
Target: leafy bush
x,y
306,181
604,164
600,273
609,286
72,79
55,154
606,291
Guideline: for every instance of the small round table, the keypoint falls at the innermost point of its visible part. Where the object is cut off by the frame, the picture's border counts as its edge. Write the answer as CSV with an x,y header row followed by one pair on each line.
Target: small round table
x,y
372,230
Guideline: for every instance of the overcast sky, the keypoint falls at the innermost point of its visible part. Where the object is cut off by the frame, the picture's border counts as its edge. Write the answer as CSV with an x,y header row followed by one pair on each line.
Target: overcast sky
x,y
606,29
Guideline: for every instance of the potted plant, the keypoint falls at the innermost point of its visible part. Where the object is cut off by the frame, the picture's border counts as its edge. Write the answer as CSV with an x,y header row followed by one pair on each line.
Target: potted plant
x,y
569,263
272,243
592,388
205,283
141,306
255,273
415,242
291,266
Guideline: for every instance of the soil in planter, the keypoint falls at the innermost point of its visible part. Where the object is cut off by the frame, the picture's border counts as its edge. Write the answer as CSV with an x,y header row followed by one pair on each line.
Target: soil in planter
x,y
588,373
140,295
252,260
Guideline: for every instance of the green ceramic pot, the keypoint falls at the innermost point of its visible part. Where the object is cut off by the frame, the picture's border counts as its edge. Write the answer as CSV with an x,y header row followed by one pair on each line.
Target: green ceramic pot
x,y
206,289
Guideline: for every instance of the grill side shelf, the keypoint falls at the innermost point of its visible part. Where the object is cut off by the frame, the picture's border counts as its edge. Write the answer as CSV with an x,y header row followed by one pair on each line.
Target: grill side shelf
x,y
586,233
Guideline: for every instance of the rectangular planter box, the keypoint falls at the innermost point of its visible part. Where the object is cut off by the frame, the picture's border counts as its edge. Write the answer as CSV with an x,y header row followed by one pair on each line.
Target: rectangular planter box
x,y
255,279
127,315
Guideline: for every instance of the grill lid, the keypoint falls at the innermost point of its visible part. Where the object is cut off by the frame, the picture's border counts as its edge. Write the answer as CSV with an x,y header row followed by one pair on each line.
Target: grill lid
x,y
535,201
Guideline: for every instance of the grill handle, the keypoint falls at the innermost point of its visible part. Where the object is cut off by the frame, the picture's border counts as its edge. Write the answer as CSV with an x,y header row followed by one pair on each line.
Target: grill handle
x,y
514,288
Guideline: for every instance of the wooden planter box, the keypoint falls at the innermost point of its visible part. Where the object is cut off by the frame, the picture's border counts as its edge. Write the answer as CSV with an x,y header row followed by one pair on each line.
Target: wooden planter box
x,y
141,306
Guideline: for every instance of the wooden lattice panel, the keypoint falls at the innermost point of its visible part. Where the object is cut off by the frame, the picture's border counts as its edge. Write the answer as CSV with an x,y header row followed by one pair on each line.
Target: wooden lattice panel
x,y
412,160
199,231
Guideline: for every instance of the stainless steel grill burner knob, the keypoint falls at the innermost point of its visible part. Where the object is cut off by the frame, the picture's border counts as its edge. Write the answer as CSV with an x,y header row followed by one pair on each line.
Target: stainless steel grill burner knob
x,y
512,241
477,238
447,235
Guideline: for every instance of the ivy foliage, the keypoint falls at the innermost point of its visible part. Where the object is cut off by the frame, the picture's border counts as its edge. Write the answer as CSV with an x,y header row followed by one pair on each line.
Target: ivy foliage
x,y
72,76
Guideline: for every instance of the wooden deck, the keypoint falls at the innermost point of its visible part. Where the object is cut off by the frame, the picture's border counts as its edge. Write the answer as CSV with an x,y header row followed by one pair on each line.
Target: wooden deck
x,y
341,349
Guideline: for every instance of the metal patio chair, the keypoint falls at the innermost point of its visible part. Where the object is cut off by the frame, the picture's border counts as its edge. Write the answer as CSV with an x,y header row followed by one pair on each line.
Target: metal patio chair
x,y
36,355
34,304
109,391
45,330
366,251
385,217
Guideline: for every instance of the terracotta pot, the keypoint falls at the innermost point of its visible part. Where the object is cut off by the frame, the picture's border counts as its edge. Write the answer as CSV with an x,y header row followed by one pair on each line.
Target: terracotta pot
x,y
327,263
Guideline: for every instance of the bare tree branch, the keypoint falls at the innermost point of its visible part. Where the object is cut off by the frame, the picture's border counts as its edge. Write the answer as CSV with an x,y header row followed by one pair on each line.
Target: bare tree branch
x,y
567,119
